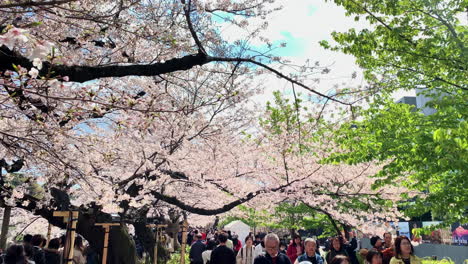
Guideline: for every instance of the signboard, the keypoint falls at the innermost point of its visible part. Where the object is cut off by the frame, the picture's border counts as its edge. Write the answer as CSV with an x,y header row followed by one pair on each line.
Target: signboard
x,y
460,234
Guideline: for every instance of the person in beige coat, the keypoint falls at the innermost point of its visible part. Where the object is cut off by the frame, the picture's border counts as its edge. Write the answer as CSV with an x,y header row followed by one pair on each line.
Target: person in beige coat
x,y
246,254
404,252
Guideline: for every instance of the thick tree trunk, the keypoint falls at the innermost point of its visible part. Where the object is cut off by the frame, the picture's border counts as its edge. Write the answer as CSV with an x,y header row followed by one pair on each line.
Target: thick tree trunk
x,y
5,226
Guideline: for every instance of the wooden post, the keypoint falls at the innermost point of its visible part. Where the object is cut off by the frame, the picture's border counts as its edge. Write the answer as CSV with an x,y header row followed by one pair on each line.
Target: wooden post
x,y
5,226
71,218
156,238
49,230
184,241
106,227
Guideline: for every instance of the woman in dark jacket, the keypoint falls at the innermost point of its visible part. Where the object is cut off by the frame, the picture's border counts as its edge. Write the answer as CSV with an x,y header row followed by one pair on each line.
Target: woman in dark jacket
x,y
336,249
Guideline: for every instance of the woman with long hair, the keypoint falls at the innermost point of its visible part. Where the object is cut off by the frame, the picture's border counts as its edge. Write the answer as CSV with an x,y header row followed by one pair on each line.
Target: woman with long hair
x,y
78,256
246,254
336,249
404,252
295,248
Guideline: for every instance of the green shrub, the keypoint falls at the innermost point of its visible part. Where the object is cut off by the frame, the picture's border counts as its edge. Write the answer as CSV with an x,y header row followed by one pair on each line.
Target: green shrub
x,y
442,261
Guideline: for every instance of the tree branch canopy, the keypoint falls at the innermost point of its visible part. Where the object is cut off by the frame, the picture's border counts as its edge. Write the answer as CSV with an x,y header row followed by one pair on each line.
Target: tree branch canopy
x,y
78,73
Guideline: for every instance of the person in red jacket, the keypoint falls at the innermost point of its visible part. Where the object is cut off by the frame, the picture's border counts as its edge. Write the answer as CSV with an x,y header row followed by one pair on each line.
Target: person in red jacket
x,y
295,248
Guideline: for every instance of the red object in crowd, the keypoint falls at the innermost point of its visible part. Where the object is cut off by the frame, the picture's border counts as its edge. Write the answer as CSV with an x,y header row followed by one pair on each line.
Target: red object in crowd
x,y
203,234
292,251
238,246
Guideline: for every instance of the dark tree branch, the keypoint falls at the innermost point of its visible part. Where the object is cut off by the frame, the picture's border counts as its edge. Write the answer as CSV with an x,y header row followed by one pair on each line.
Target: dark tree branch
x,y
187,7
76,73
30,3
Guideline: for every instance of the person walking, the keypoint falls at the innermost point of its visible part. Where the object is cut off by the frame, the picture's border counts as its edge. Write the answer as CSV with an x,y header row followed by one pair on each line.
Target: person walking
x,y
78,256
336,249
310,255
222,254
388,253
404,252
374,257
295,248
14,254
246,254
260,247
206,255
38,242
196,250
52,255
272,254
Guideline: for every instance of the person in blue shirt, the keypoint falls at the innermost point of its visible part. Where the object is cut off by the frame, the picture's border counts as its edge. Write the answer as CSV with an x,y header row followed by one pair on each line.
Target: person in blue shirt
x,y
310,254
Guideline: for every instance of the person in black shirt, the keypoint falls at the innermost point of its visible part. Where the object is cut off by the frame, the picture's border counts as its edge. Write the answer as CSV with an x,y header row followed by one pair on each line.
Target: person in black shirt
x,y
52,255
272,254
196,250
38,242
222,254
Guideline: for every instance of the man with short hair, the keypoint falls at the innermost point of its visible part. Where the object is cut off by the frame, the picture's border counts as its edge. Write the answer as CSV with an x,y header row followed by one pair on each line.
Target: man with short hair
x,y
388,252
222,254
310,253
196,250
272,254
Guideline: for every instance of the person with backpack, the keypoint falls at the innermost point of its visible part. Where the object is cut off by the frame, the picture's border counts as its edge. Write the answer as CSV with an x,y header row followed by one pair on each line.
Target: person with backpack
x,y
246,253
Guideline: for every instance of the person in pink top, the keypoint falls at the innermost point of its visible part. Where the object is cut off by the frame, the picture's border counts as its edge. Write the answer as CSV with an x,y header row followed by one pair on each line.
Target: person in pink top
x,y
295,248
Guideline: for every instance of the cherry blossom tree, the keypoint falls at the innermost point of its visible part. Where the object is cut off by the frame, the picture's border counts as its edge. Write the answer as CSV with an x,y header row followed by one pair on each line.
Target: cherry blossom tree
x,y
141,108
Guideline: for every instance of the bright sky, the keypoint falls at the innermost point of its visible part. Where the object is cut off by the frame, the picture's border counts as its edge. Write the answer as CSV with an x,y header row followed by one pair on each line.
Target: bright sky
x,y
302,24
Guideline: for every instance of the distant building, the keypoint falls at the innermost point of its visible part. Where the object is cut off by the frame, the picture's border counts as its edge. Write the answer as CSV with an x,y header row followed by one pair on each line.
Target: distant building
x,y
419,101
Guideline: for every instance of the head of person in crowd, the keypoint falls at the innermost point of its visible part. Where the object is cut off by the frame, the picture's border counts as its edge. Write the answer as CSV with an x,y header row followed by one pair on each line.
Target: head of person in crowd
x,y
38,241
376,242
310,247
198,237
257,239
336,244
340,259
363,252
272,244
211,244
28,251
283,246
15,254
374,257
63,239
296,240
222,238
249,241
388,239
79,243
235,239
54,244
403,247
27,239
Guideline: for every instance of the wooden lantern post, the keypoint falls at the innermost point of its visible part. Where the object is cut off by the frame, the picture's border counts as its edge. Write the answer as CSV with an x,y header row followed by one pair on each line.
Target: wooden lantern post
x,y
106,227
184,241
70,218
156,238
49,231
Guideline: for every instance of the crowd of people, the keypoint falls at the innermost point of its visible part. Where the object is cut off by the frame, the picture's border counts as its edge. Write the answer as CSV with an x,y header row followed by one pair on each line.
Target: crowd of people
x,y
222,247
36,250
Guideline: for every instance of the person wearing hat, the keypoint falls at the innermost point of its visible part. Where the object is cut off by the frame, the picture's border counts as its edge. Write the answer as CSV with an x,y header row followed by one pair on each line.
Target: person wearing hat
x,y
376,243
